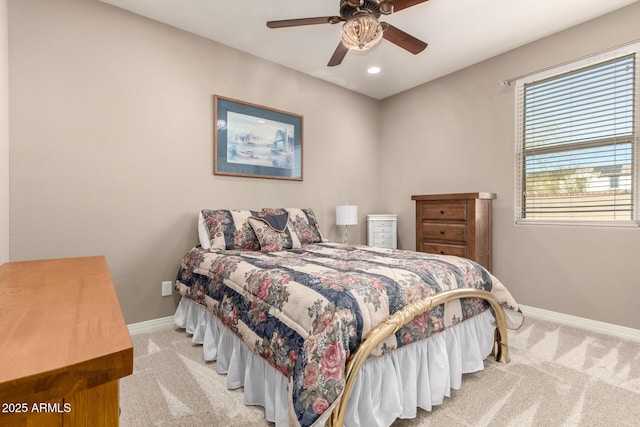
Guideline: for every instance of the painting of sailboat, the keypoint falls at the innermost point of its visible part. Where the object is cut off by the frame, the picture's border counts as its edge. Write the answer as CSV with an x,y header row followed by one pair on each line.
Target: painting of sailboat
x,y
255,141
259,142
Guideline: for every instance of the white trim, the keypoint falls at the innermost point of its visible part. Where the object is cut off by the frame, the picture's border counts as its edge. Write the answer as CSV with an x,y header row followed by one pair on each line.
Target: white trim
x,y
151,325
537,313
578,223
510,81
581,322
552,72
587,61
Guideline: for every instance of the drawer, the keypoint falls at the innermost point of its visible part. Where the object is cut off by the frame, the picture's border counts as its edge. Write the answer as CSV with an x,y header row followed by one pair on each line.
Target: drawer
x,y
454,233
442,249
381,225
383,244
382,236
445,211
383,241
381,221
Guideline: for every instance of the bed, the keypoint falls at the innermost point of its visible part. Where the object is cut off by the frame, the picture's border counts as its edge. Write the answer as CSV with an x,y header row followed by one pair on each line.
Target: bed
x,y
324,333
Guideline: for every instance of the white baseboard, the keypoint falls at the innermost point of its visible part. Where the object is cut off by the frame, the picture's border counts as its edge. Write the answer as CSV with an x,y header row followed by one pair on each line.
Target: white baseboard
x,y
538,313
581,322
151,325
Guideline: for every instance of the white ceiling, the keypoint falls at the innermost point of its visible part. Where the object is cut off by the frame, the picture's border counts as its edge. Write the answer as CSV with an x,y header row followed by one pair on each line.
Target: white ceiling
x,y
459,33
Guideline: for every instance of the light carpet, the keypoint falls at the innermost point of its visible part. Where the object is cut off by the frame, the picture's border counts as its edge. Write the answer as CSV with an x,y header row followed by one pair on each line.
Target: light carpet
x,y
558,376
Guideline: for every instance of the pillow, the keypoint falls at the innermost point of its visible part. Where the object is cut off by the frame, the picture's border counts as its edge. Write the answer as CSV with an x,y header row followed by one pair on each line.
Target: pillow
x,y
274,232
203,233
306,225
229,229
303,221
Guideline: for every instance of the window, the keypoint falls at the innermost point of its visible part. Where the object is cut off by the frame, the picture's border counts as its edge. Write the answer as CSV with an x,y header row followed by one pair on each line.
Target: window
x,y
577,144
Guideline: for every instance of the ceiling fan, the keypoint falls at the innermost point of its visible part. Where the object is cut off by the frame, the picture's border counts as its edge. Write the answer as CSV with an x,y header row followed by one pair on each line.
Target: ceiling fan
x,y
362,29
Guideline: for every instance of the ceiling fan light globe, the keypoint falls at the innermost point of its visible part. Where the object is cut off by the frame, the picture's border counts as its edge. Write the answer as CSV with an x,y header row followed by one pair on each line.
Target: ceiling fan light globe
x,y
361,32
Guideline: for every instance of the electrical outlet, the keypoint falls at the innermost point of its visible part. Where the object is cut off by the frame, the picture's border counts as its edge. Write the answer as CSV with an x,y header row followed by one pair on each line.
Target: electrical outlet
x,y
166,289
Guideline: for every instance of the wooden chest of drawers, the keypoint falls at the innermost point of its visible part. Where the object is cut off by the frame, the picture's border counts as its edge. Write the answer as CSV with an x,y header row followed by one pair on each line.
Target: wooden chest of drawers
x,y
455,224
382,230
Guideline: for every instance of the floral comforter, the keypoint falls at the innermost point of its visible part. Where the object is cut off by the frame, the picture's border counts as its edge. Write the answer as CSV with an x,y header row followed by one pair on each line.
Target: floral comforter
x,y
306,310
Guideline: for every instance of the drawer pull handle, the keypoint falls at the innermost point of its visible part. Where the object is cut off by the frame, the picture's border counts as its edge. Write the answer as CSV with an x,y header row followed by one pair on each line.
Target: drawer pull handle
x,y
441,212
441,252
442,232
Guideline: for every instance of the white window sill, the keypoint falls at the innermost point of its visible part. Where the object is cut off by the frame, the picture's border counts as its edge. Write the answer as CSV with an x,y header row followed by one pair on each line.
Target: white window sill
x,y
616,224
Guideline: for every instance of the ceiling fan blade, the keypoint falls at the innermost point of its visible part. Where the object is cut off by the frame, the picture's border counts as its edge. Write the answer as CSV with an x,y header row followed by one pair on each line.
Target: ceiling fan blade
x,y
402,39
338,55
304,21
403,4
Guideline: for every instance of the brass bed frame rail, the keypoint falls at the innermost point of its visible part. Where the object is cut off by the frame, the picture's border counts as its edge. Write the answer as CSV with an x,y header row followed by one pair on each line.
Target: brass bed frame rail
x,y
397,320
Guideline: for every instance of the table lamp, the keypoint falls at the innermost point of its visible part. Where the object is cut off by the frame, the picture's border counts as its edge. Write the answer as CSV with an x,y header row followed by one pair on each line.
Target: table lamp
x,y
346,215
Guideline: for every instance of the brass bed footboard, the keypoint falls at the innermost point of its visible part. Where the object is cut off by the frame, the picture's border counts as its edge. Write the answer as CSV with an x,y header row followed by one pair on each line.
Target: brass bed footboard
x,y
396,321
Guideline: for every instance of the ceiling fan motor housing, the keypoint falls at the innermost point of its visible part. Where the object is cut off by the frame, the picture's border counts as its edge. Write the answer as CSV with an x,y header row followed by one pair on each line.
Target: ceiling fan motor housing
x,y
362,28
370,7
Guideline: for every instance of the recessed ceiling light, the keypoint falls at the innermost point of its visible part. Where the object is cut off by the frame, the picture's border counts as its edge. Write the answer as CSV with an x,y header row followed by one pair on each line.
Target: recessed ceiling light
x,y
373,70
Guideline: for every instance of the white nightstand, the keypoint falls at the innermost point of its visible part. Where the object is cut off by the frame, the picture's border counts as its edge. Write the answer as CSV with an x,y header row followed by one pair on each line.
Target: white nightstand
x,y
382,230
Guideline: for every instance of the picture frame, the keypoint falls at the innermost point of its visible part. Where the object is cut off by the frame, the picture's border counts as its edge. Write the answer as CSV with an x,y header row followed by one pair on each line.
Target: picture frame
x,y
254,141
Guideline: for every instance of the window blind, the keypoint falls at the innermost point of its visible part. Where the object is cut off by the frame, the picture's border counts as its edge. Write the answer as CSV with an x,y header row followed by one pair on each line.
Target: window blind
x,y
577,145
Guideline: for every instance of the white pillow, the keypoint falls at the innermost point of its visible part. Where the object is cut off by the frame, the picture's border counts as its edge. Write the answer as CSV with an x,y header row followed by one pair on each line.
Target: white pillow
x,y
203,233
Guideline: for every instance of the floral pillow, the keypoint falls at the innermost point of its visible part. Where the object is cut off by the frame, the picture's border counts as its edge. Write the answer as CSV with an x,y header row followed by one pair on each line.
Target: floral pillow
x,y
229,229
303,221
275,232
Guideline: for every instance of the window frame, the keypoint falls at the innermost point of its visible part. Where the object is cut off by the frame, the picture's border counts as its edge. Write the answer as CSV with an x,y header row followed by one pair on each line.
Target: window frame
x,y
521,153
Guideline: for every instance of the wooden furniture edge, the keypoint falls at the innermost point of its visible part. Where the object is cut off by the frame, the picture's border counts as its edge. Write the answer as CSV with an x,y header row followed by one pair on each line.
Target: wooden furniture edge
x,y
454,196
69,379
85,390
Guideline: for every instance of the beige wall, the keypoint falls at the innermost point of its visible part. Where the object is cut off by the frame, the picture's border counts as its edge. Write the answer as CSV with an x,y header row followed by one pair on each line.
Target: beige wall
x,y
111,147
112,142
4,135
456,134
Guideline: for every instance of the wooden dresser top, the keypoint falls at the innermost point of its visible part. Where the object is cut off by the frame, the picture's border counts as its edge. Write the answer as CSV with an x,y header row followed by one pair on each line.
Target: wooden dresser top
x,y
454,196
61,328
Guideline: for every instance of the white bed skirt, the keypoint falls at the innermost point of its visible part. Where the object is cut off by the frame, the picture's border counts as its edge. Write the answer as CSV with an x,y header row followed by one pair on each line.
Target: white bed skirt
x,y
417,375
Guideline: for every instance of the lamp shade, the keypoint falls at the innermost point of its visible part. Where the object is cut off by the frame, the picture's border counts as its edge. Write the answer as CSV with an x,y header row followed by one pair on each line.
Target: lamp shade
x,y
346,215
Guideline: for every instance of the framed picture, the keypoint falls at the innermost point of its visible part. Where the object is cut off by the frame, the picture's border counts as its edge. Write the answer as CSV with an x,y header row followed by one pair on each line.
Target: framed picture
x,y
255,141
